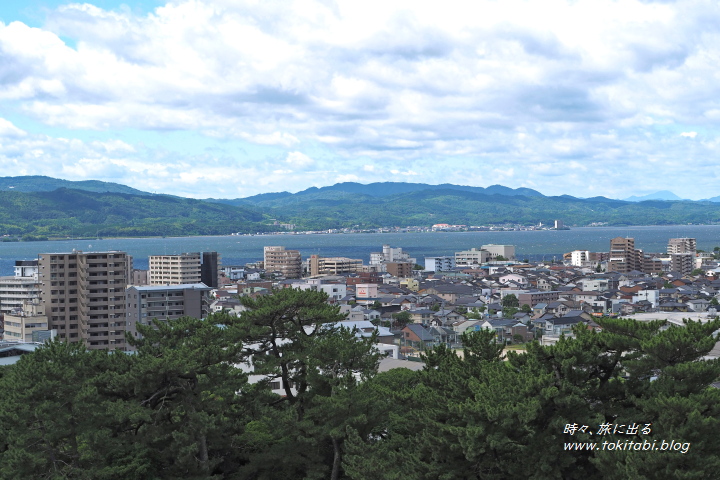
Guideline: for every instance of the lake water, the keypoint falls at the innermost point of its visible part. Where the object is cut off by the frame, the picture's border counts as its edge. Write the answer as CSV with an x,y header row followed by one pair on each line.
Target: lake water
x,y
238,250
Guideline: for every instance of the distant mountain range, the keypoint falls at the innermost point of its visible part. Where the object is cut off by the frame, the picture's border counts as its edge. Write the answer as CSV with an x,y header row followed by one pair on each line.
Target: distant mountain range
x,y
37,183
380,189
37,207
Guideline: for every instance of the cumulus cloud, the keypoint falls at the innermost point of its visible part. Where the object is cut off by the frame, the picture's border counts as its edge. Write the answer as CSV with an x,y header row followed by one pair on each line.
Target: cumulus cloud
x,y
299,160
517,91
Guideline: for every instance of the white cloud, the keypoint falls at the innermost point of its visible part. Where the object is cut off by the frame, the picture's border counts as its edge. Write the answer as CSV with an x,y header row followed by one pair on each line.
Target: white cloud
x,y
7,129
299,160
517,91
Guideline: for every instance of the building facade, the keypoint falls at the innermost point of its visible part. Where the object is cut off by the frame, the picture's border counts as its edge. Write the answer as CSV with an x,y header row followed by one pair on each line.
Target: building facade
x,y
166,302
174,269
474,256
24,287
83,296
210,269
439,264
495,251
624,257
318,265
287,262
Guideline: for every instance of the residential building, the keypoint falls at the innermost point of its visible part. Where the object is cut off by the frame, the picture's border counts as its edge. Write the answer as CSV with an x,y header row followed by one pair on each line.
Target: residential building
x,y
83,296
287,262
166,302
334,290
579,258
318,265
21,323
533,298
210,269
21,288
682,245
174,269
474,256
399,269
683,263
495,251
624,258
379,260
439,264
682,253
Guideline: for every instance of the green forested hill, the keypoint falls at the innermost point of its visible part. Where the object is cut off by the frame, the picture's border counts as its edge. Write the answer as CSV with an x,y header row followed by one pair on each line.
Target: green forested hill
x,y
39,183
72,212
341,209
66,212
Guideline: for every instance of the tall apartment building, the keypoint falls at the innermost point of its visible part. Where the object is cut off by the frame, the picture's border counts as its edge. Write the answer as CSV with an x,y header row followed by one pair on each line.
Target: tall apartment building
x,y
287,262
83,296
624,257
318,265
21,288
682,245
175,269
210,269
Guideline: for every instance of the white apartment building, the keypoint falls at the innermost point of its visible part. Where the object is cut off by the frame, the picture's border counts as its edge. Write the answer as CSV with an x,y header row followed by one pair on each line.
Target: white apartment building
x,y
507,251
439,264
474,256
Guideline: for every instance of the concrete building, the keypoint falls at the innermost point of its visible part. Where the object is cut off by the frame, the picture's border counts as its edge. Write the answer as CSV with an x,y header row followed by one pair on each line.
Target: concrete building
x,y
21,288
495,251
579,258
378,260
21,323
83,296
139,277
682,245
287,262
318,265
334,290
399,269
624,257
682,253
474,256
682,262
166,302
210,269
439,264
174,269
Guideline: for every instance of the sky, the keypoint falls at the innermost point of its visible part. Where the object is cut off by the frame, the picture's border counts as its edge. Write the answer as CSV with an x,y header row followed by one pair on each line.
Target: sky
x,y
232,98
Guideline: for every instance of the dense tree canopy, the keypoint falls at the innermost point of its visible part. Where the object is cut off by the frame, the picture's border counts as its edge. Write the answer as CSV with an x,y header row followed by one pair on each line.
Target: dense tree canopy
x,y
185,406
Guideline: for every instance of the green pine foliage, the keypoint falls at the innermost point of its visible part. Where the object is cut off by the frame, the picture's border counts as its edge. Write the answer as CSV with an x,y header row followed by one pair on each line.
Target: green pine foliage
x,y
181,406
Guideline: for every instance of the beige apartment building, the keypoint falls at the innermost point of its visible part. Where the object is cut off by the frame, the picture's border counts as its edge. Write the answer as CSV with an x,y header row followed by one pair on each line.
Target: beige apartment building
x,y
624,257
318,265
181,269
287,262
83,296
22,322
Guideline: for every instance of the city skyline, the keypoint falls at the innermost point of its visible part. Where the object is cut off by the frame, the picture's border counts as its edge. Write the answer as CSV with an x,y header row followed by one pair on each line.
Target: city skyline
x,y
231,99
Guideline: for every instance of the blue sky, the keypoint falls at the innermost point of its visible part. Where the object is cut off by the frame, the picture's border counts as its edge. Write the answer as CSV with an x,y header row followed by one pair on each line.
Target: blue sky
x,y
230,98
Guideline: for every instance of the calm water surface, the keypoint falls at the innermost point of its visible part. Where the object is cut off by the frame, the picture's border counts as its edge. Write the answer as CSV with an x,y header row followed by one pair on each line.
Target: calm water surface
x,y
534,245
